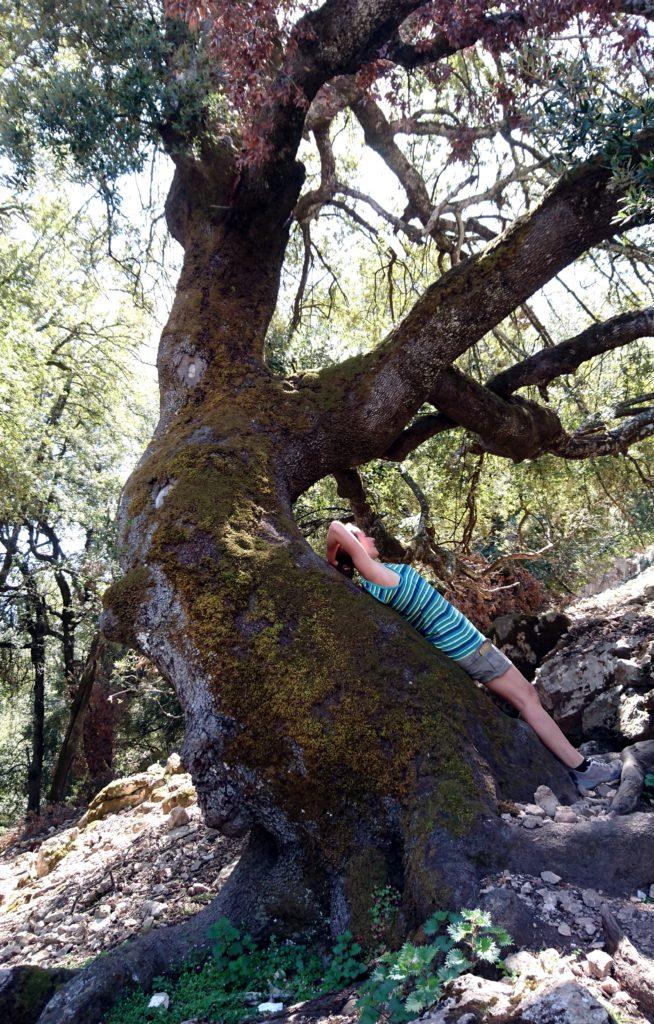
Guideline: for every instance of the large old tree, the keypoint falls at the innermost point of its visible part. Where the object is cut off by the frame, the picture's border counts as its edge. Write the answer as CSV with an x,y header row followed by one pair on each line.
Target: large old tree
x,y
317,722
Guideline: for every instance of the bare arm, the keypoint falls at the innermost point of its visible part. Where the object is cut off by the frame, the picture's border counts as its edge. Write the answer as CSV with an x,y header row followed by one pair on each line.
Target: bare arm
x,y
340,535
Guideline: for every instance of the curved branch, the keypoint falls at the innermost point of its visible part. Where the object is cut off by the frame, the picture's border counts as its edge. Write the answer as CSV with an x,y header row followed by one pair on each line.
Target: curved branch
x,y
379,391
464,402
550,363
584,445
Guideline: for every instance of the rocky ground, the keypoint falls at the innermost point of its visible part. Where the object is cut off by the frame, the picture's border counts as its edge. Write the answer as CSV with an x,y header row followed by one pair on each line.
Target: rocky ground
x,y
136,858
598,681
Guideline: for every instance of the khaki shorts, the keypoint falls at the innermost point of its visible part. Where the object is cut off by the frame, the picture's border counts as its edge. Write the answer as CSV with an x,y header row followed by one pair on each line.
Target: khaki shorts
x,y
486,663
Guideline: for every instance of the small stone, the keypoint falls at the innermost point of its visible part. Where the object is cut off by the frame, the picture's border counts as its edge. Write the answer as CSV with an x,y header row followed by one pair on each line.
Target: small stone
x,y
534,809
270,1007
564,929
549,876
177,817
531,821
152,907
589,926
174,765
609,986
546,799
160,999
527,887
566,815
599,964
525,963
621,998
591,898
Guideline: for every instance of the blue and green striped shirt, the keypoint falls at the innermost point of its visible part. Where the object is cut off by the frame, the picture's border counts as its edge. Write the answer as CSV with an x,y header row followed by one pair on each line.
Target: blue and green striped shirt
x,y
427,611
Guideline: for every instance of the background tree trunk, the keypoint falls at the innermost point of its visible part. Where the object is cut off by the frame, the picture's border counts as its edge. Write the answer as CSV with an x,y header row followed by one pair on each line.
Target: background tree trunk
x,y
37,628
78,711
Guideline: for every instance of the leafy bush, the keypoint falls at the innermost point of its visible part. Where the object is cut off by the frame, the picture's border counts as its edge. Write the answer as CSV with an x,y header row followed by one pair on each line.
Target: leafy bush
x,y
406,982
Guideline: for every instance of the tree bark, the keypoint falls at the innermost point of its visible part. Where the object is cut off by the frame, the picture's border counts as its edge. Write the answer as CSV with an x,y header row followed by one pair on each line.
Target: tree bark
x,y
71,741
37,627
315,719
634,971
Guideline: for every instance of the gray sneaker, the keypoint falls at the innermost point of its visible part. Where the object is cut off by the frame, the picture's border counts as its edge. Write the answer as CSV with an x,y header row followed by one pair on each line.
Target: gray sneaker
x,y
596,773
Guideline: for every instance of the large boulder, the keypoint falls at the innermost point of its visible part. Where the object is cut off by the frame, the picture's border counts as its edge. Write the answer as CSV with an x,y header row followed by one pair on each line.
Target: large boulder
x,y
171,784
526,639
598,683
25,990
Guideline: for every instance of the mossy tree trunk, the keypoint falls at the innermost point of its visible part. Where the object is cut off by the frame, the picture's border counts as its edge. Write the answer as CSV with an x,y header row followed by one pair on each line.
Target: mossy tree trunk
x,y
315,719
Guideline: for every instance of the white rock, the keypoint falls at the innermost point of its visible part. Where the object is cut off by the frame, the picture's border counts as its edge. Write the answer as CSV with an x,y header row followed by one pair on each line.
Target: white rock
x,y
591,898
152,908
160,999
609,986
534,809
599,963
549,876
564,929
531,821
589,926
546,799
174,765
270,1007
566,815
525,963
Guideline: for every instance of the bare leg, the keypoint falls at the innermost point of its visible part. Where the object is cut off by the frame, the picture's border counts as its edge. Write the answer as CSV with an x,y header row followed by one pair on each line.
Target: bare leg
x,y
513,686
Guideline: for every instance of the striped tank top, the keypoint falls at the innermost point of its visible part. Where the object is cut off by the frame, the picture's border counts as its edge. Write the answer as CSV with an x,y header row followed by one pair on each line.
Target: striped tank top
x,y
427,611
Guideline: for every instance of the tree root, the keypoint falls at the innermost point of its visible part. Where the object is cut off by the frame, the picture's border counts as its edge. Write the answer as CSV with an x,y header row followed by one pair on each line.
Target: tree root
x,y
614,855
634,971
638,760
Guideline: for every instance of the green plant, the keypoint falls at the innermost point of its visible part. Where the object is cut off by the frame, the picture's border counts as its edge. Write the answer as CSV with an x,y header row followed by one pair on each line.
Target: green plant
x,y
386,899
406,982
648,787
238,969
344,966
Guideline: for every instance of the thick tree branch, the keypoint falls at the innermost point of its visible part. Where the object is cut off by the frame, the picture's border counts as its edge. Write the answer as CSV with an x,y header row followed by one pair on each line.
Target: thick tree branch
x,y
337,39
587,444
379,391
545,366
519,429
